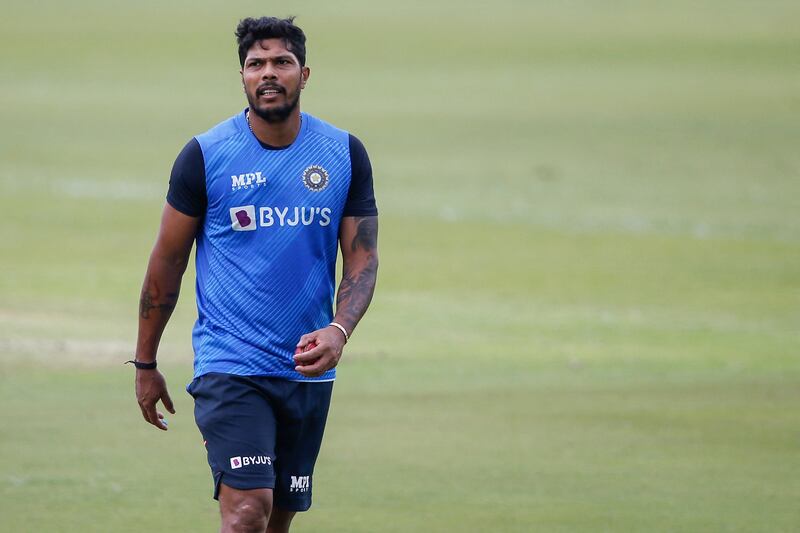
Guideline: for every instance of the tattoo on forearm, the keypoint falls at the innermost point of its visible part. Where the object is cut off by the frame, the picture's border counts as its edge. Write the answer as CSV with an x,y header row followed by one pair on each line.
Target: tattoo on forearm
x,y
358,285
150,300
355,294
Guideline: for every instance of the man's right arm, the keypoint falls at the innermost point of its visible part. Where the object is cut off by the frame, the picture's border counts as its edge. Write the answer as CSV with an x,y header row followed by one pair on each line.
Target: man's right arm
x,y
159,295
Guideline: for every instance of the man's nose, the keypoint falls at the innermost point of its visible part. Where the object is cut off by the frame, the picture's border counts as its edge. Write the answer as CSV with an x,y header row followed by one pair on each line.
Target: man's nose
x,y
269,72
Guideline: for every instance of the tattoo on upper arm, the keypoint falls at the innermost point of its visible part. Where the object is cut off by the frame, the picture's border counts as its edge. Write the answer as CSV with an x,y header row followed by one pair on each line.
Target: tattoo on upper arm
x,y
366,236
150,299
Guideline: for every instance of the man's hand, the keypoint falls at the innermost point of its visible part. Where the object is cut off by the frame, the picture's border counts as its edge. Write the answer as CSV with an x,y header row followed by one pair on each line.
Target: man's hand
x,y
151,387
318,360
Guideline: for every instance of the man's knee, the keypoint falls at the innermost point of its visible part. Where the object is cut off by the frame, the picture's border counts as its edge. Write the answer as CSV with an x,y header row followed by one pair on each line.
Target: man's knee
x,y
245,511
246,517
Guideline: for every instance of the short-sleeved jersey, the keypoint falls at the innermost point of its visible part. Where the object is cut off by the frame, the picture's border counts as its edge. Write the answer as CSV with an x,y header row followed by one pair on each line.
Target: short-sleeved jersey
x,y
268,242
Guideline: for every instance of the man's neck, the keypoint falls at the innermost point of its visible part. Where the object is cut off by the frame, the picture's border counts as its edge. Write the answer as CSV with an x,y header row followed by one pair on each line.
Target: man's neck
x,y
275,133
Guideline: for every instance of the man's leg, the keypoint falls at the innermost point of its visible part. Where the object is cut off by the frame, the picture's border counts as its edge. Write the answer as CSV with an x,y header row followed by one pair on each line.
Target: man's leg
x,y
245,511
279,520
238,427
301,410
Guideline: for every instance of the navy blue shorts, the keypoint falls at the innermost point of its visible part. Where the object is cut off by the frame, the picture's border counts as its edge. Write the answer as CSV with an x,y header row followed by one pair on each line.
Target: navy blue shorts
x,y
262,432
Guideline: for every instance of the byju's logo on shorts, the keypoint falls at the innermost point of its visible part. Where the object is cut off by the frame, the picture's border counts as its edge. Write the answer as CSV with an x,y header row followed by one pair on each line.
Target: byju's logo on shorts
x,y
315,178
248,180
247,460
243,218
299,484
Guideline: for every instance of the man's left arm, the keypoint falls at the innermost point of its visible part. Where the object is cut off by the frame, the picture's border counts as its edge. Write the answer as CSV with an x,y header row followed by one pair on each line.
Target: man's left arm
x,y
358,240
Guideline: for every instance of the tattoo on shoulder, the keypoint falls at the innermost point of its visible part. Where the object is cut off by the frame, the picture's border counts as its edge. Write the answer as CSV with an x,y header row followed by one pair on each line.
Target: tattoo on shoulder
x,y
366,234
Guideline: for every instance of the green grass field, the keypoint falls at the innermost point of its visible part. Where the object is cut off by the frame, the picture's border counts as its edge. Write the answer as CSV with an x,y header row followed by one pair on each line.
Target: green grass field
x,y
588,312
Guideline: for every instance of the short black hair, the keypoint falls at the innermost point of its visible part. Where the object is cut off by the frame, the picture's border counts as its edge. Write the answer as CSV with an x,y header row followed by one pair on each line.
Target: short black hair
x,y
250,31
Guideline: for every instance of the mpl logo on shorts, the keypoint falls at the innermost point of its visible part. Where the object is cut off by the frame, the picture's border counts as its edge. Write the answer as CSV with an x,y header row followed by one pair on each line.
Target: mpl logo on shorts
x,y
300,484
247,460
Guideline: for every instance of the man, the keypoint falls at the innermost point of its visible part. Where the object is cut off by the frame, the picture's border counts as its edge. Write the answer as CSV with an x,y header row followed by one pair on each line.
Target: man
x,y
268,195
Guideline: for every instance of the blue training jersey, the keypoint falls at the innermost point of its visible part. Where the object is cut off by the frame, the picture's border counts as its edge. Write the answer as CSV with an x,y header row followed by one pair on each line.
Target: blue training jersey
x,y
267,248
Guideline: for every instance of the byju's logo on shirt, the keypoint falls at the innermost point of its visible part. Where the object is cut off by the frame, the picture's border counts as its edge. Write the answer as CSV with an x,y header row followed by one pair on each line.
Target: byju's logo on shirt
x,y
243,218
248,180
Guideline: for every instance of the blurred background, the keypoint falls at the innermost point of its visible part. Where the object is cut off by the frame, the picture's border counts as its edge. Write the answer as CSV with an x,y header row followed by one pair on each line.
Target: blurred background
x,y
588,309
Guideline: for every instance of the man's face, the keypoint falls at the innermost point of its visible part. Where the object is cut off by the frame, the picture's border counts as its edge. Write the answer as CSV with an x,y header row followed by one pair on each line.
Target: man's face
x,y
272,79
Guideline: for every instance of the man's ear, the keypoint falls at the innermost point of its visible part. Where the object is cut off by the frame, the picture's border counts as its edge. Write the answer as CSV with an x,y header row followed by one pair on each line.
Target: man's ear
x,y
305,72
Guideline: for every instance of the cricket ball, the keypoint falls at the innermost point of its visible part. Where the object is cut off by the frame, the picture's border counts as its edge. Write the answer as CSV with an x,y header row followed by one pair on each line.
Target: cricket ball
x,y
310,346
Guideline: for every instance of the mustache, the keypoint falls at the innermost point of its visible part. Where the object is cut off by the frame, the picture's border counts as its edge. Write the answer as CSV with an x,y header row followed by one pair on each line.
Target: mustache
x,y
269,86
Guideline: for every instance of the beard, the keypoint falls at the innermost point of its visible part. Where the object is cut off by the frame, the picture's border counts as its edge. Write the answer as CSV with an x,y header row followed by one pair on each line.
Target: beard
x,y
277,114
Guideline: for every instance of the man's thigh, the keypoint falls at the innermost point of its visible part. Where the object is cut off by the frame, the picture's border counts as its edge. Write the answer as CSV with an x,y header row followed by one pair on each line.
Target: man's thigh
x,y
238,425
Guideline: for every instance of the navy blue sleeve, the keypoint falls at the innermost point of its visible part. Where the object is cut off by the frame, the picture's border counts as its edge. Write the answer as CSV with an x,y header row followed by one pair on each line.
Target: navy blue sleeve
x,y
187,183
361,196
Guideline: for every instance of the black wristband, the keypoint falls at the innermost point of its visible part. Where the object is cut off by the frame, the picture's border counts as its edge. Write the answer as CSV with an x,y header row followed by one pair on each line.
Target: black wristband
x,y
143,366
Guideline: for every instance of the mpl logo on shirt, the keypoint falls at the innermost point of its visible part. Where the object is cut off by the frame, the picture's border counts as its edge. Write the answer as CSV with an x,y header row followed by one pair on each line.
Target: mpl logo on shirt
x,y
243,218
248,180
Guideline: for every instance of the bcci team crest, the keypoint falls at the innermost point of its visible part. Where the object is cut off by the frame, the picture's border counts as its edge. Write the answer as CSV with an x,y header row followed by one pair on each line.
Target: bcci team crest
x,y
315,178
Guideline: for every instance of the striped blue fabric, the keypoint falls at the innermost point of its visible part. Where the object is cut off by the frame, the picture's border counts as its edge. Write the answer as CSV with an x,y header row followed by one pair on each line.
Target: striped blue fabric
x,y
266,254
